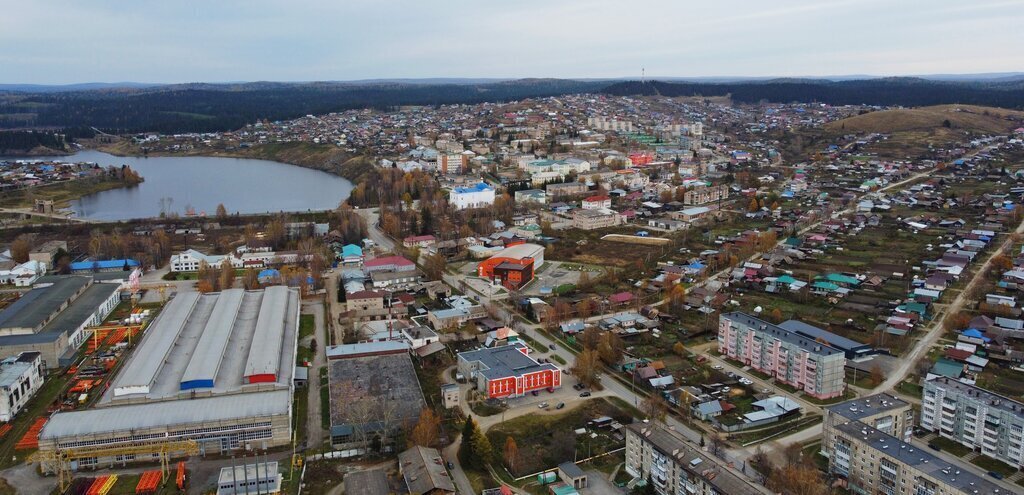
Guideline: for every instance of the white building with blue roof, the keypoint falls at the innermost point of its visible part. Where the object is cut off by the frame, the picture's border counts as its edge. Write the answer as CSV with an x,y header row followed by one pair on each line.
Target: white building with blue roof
x,y
479,195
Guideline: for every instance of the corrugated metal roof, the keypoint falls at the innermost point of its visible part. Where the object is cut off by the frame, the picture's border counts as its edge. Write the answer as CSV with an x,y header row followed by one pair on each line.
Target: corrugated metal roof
x,y
202,368
265,353
107,420
156,343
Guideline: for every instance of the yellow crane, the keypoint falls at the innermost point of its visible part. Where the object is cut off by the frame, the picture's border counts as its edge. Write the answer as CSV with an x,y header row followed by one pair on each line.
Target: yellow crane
x,y
59,461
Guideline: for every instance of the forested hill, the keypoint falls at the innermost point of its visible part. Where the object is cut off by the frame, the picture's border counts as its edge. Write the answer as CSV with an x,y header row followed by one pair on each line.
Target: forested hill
x,y
212,107
909,92
216,107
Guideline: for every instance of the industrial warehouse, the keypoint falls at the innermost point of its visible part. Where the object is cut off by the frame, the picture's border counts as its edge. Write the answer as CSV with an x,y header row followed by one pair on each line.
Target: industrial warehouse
x,y
52,317
213,368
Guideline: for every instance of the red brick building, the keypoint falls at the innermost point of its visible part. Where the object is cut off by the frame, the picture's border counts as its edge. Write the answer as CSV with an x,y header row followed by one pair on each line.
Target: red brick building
x,y
508,371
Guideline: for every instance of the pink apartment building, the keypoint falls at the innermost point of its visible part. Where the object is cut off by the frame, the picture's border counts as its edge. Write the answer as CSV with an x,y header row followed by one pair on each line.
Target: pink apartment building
x,y
793,359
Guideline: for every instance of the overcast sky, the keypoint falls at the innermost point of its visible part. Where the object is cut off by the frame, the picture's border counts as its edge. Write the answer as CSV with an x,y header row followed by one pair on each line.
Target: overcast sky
x,y
168,41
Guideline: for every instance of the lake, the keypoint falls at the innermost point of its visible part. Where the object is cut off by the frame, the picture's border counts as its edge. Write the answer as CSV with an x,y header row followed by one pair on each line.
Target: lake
x,y
176,183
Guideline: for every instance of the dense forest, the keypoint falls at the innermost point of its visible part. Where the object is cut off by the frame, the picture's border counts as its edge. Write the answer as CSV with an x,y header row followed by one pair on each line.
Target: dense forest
x,y
21,141
909,92
217,107
207,107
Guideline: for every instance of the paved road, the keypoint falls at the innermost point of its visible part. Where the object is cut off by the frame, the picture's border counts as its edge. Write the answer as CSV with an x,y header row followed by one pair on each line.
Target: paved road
x,y
372,216
451,454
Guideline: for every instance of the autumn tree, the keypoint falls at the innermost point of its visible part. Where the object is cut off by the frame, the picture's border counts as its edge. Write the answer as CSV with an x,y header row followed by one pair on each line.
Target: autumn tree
x,y
583,283
753,206
654,407
434,266
585,367
610,348
776,315
584,308
877,376
762,465
204,286
797,479
590,338
227,276
1002,262
251,279
222,212
793,453
679,349
510,453
20,249
425,433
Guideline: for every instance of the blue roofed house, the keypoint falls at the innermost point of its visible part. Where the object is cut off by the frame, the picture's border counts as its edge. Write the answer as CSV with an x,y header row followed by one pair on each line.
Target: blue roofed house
x,y
351,254
104,266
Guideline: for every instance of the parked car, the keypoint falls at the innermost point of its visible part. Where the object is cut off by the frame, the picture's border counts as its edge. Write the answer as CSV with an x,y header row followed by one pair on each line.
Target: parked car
x,y
726,390
560,405
542,405
551,346
585,394
450,465
551,390
535,393
717,367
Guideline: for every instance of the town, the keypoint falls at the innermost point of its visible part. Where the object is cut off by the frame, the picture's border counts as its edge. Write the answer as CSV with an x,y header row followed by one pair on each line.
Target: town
x,y
582,294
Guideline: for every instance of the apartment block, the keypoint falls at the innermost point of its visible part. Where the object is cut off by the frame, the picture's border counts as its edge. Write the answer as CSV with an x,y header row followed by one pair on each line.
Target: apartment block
x,y
883,412
791,358
595,219
986,422
675,467
705,194
866,459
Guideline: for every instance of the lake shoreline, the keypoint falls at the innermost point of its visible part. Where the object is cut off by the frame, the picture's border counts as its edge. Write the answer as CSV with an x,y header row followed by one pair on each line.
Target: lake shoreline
x,y
324,158
186,186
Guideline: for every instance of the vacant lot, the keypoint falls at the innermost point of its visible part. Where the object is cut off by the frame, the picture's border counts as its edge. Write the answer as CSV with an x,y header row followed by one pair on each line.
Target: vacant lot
x,y
544,441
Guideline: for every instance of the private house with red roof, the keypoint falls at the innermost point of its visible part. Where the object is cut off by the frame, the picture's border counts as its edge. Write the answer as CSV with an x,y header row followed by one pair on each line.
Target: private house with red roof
x,y
388,264
597,202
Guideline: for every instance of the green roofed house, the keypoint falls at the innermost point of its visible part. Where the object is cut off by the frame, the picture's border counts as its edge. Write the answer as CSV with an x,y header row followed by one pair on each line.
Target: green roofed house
x,y
840,279
914,307
786,279
948,368
794,241
822,287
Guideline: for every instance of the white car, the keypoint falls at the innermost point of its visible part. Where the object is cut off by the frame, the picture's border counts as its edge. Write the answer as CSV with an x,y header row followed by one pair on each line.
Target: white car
x,y
717,367
542,405
746,381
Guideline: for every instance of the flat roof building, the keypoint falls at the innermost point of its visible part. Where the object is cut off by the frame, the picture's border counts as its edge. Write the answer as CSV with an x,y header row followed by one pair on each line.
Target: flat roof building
x,y
851,348
374,393
507,371
791,358
674,466
21,377
53,317
199,373
974,417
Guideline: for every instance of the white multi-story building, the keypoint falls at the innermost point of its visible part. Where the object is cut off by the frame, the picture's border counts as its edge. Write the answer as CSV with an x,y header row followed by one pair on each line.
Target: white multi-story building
x,y
479,196
190,260
20,379
972,416
609,124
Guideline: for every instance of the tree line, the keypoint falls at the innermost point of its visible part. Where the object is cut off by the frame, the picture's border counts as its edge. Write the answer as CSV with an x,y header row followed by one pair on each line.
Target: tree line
x,y
208,107
898,91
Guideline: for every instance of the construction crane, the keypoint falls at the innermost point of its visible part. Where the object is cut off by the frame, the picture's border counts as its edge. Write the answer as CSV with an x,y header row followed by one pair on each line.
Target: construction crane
x,y
59,461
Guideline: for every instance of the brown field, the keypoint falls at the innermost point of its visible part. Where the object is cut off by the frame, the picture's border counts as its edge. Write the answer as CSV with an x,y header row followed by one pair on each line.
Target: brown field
x,y
965,117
